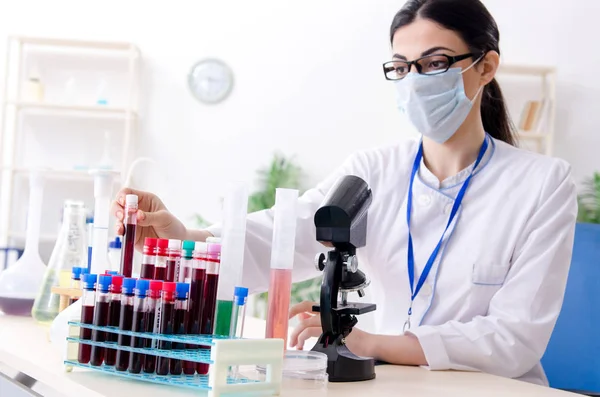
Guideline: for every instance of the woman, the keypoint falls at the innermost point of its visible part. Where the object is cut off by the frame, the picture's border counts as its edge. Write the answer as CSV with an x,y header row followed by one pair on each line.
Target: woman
x,y
491,226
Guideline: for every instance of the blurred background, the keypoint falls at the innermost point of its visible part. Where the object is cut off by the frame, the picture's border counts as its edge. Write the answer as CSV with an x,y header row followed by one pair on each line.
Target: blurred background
x,y
182,98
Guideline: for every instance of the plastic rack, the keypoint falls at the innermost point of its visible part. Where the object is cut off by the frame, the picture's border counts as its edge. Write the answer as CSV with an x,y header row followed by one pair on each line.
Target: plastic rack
x,y
225,352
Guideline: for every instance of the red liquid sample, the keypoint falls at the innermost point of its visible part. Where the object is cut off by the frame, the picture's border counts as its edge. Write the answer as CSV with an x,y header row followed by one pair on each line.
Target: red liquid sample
x,y
171,267
180,320
195,312
209,301
114,313
280,291
125,320
147,271
87,317
160,273
128,250
136,360
166,327
150,361
101,319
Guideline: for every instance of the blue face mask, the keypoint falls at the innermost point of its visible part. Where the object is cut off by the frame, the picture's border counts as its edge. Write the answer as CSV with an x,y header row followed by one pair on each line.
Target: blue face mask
x,y
436,105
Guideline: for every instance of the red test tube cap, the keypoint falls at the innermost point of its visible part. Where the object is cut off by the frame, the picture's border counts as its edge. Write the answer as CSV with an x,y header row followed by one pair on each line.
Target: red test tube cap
x,y
162,243
169,287
116,283
156,285
150,242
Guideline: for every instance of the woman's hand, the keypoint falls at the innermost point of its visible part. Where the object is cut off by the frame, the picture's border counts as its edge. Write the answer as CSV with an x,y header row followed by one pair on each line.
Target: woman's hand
x,y
153,218
359,342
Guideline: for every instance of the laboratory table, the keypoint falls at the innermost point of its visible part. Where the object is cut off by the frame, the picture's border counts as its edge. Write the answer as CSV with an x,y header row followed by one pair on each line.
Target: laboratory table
x,y
25,349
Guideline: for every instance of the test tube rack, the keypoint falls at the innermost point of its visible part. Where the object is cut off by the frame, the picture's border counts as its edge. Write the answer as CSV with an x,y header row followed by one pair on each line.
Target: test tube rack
x,y
65,295
224,353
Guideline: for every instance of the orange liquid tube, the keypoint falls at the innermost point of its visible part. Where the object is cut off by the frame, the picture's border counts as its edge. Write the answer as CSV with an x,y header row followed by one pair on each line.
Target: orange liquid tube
x,y
280,291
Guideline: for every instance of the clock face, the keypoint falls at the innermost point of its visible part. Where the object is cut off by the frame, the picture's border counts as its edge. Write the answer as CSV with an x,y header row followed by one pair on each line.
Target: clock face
x,y
210,81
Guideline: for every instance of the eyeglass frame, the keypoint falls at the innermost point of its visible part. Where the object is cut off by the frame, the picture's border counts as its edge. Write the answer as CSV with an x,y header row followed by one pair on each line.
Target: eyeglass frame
x,y
451,61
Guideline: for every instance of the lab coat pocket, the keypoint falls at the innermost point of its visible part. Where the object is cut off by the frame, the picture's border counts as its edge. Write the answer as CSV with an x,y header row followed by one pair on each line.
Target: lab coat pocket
x,y
490,274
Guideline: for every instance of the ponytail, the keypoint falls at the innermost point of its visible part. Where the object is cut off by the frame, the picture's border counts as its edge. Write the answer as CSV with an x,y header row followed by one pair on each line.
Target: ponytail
x,y
494,114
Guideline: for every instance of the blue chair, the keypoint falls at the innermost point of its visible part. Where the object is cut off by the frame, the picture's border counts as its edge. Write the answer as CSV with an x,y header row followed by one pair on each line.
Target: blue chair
x,y
572,359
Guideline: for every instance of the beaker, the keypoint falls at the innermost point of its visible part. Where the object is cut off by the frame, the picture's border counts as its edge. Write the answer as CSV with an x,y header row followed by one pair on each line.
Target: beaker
x,y
70,251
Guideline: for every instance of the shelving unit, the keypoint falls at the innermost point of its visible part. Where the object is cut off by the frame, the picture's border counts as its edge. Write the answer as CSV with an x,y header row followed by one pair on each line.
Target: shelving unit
x,y
542,140
18,111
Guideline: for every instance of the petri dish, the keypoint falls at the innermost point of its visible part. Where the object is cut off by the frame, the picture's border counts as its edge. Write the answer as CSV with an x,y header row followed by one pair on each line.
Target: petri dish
x,y
303,370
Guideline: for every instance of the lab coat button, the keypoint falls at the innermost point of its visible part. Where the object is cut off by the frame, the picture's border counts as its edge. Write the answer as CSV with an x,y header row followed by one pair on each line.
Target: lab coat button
x,y
424,200
426,290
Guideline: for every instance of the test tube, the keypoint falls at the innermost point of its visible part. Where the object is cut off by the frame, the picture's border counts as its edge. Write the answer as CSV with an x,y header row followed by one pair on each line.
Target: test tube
x,y
162,254
238,313
180,321
196,281
136,360
100,318
187,258
75,282
130,224
125,322
166,318
282,261
235,209
174,260
209,298
149,258
114,313
152,299
87,316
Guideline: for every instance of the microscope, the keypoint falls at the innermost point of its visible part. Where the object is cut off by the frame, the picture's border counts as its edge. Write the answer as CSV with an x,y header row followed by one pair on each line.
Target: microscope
x,y
341,223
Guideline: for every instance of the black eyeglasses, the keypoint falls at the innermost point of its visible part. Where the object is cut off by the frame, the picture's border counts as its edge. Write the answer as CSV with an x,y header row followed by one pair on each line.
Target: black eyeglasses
x,y
428,65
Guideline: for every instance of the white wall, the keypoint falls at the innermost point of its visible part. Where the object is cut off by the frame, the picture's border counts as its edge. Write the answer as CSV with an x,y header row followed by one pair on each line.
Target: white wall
x,y
308,79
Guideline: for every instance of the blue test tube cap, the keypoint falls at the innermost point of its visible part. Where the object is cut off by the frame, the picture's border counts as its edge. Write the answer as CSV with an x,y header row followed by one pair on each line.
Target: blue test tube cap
x,y
84,270
240,294
104,282
141,287
128,285
182,290
89,281
76,272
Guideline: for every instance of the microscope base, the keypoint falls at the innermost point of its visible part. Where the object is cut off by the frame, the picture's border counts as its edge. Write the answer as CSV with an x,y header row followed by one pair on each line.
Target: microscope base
x,y
345,366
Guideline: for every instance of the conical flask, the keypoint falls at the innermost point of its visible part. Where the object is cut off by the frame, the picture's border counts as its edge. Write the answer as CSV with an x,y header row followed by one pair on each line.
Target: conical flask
x,y
70,251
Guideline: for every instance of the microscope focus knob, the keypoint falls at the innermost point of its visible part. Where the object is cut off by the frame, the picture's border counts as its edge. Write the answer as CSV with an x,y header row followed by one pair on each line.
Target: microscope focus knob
x,y
352,263
320,261
361,293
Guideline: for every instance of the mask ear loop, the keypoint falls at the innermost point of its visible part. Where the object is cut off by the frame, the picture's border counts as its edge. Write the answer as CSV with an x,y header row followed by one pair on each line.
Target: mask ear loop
x,y
469,67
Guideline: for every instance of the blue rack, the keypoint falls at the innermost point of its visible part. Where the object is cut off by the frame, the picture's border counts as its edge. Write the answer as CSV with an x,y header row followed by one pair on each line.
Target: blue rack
x,y
221,353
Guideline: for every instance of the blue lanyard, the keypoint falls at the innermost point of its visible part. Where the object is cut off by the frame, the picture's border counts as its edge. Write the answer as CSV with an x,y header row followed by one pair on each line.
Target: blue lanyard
x,y
411,259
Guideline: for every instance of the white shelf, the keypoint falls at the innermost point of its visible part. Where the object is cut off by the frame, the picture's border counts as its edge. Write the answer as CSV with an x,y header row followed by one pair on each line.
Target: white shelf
x,y
118,46
44,238
531,70
73,109
60,175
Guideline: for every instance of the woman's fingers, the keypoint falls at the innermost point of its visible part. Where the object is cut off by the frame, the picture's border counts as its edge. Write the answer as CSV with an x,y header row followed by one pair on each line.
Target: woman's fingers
x,y
313,321
160,219
302,307
119,229
312,332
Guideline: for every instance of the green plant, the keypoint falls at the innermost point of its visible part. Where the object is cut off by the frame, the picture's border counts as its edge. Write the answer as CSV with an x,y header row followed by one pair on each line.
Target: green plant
x,y
589,200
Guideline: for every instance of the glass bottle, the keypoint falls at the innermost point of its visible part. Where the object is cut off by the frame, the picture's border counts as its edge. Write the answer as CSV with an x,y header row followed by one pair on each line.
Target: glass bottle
x,y
70,251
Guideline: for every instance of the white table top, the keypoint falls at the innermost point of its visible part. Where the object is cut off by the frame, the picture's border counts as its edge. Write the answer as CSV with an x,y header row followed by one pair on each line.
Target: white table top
x,y
24,347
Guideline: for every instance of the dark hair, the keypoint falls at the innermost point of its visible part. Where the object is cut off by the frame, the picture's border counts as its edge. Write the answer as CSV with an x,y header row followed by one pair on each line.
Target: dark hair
x,y
478,29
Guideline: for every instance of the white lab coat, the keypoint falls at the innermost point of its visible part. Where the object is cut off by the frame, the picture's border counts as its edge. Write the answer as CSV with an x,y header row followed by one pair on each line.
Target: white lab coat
x,y
494,293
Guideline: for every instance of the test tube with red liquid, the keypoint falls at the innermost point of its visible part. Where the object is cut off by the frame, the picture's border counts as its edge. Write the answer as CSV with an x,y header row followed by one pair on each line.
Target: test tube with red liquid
x,y
187,259
174,260
152,299
180,321
114,313
124,323
209,298
149,258
165,312
100,318
87,316
136,360
162,254
196,280
129,223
